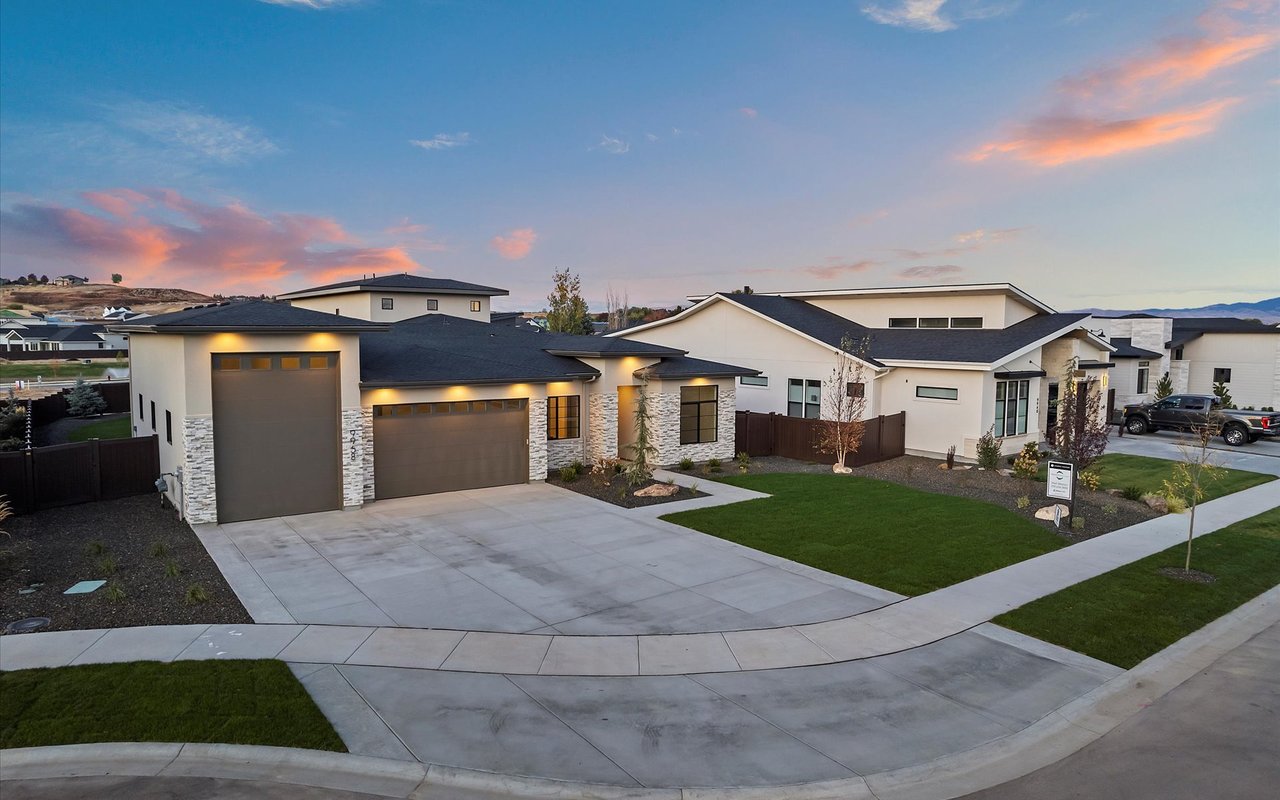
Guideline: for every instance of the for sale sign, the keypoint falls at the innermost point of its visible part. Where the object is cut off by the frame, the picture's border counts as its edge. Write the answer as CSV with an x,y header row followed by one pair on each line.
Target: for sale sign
x,y
1062,480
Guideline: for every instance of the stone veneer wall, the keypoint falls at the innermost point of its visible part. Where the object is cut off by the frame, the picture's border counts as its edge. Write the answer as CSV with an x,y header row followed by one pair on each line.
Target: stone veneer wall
x,y
352,444
199,492
537,439
563,452
1179,376
366,424
602,426
665,411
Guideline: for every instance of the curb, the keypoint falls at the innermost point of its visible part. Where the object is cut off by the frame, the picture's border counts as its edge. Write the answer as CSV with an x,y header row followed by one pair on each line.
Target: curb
x,y
1059,734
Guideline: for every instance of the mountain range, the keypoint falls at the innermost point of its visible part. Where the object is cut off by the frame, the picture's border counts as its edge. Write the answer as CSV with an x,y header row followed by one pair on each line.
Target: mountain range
x,y
1265,310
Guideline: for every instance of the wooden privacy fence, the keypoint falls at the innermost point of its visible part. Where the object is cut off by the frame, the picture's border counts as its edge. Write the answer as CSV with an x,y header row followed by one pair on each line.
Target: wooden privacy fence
x,y
63,474
792,437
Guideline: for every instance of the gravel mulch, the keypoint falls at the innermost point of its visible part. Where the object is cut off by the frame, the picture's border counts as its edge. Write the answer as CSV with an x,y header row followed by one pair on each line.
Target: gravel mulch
x,y
131,543
615,490
1102,512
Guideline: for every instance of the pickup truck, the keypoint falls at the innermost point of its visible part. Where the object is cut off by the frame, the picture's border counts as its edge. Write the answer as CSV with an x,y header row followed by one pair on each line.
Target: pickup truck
x,y
1184,411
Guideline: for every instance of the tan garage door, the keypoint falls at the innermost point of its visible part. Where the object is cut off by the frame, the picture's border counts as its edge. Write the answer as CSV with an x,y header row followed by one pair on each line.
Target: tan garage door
x,y
422,448
276,434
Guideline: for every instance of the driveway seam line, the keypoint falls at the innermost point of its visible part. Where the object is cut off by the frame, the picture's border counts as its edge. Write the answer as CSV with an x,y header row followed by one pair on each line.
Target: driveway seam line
x,y
376,713
248,563
331,565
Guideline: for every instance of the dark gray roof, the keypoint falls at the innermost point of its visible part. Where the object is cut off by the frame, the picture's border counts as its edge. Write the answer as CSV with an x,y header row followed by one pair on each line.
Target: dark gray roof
x,y
1186,329
248,315
982,346
1125,349
76,333
402,283
567,344
676,367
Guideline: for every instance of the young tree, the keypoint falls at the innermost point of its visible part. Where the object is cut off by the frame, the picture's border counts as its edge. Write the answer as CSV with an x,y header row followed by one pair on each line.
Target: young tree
x,y
1224,394
1082,425
116,278
618,312
568,311
844,403
1197,465
642,450
84,400
1164,387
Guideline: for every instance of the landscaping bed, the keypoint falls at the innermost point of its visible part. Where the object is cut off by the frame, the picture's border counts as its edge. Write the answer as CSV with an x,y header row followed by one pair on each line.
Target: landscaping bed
x,y
227,702
157,571
613,488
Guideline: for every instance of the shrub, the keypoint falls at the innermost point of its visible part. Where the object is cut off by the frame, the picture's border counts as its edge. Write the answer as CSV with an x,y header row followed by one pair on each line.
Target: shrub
x,y
1028,461
1077,523
1175,503
107,564
988,450
606,467
744,461
951,457
197,594
95,548
85,400
158,549
114,592
1131,493
713,464
1110,509
1090,480
686,464
172,568
568,474
1024,501
579,467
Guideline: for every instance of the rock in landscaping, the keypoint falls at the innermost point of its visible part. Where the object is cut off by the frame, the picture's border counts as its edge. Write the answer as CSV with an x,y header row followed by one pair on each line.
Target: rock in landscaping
x,y
841,469
1047,512
1157,503
1008,473
658,490
1115,492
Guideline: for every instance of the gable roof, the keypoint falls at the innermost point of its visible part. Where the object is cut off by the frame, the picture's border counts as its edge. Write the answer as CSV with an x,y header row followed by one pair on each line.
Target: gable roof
x,y
1125,349
399,283
246,315
677,367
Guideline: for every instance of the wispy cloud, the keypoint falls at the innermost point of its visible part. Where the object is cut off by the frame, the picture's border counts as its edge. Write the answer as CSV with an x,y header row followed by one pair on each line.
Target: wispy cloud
x,y
869,218
927,15
613,146
443,141
314,5
160,237
515,244
748,112
414,236
968,242
930,273
1121,106
193,130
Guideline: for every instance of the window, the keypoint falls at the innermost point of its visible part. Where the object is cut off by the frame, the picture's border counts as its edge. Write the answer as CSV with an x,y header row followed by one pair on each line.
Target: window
x,y
1222,375
855,389
168,427
1177,353
1144,372
433,305
229,363
388,303
966,322
290,362
260,362
563,417
1194,403
153,415
804,398
1011,407
318,362
902,322
699,410
141,413
475,305
934,322
754,380
937,393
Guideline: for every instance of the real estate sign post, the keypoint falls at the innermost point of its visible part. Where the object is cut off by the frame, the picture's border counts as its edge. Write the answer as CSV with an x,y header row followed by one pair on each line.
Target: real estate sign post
x,y
1062,482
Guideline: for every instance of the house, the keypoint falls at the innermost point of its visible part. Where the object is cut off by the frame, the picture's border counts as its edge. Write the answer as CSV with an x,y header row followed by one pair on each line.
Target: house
x,y
80,340
958,359
393,298
266,409
70,280
1197,353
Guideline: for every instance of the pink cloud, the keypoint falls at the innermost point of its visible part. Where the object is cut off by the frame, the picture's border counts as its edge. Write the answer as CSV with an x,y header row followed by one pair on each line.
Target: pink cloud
x,y
930,273
748,112
516,244
159,237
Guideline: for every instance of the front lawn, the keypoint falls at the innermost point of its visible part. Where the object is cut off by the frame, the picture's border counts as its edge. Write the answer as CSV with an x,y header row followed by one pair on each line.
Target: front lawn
x,y
1120,471
1130,613
231,702
118,428
881,533
54,370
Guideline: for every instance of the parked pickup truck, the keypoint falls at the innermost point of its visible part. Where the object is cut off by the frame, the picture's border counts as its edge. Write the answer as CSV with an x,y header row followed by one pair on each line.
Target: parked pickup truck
x,y
1183,411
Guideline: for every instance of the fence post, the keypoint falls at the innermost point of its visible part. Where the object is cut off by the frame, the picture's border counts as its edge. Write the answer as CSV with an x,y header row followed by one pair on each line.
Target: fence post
x,y
95,469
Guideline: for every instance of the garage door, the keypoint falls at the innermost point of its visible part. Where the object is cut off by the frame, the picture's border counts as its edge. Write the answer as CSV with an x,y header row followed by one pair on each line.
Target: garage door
x,y
276,434
421,448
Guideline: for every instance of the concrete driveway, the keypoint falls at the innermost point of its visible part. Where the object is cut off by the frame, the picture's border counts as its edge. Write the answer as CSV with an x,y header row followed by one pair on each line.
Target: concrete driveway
x,y
529,558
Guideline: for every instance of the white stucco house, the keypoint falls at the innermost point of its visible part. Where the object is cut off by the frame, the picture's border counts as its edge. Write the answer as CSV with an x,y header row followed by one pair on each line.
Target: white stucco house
x,y
959,360
267,409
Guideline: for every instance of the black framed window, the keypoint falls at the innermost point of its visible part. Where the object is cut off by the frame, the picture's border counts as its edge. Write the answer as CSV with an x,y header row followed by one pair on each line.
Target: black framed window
x,y
388,303
168,427
804,398
1012,399
563,417
1144,374
934,322
699,412
855,389
153,415
1222,375
966,322
142,413
754,380
1177,353
902,322
433,305
475,305
937,393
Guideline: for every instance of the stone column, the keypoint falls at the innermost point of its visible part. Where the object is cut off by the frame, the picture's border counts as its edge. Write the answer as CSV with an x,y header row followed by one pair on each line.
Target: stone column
x,y
537,439
199,491
602,426
352,457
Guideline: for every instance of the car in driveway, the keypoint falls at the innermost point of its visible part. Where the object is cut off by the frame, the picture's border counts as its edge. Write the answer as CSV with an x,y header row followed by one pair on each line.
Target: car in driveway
x,y
1183,412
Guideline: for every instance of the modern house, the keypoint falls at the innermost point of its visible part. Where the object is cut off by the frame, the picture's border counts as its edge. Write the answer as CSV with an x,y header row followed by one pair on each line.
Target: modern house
x,y
958,359
70,280
267,409
1197,352
78,340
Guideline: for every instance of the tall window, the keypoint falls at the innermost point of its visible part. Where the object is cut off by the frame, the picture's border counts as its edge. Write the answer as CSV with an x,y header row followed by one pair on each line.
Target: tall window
x,y
699,410
168,427
804,398
1144,372
1012,398
388,303
153,415
563,417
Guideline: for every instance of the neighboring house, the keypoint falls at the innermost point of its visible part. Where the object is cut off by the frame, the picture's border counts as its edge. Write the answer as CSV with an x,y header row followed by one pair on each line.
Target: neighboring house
x,y
958,359
77,339
1197,352
266,409
393,298
70,280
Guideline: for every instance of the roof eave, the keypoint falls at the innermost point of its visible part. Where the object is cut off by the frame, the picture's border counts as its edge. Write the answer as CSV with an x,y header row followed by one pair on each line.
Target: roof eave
x,y
487,291
662,353
370,328
429,384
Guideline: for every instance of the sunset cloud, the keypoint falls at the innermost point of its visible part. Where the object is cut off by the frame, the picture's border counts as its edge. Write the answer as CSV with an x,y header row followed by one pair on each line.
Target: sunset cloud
x,y
515,244
835,266
968,242
159,237
314,5
930,273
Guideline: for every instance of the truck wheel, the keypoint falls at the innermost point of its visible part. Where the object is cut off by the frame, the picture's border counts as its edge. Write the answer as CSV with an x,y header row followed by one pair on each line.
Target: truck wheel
x,y
1235,435
1136,425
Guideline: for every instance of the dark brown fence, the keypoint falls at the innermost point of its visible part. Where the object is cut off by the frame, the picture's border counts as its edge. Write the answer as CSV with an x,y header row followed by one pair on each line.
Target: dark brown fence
x,y
65,366
63,474
793,437
54,407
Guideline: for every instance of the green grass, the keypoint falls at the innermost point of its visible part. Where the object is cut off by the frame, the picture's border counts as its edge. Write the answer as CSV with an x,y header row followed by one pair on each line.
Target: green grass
x,y
1120,471
881,533
118,428
1130,613
233,702
60,370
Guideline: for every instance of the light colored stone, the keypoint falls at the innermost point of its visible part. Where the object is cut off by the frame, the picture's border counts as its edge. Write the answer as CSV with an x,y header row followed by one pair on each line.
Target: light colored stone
x,y
199,492
1157,503
563,452
352,457
1046,513
665,409
537,439
602,426
366,423
658,490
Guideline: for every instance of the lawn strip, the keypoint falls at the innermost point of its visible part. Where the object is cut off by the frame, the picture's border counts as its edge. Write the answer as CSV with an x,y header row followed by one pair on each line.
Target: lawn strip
x,y
231,702
118,428
1132,612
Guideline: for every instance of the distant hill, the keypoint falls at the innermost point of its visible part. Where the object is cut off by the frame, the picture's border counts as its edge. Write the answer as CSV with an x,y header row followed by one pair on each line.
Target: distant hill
x,y
89,300
1265,310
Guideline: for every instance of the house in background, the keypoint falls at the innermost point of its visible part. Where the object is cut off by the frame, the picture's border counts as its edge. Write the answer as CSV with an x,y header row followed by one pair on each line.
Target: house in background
x,y
70,280
269,409
1197,352
958,359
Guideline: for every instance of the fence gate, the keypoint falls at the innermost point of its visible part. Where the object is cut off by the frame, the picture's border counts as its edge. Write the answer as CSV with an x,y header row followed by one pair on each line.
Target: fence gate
x,y
64,474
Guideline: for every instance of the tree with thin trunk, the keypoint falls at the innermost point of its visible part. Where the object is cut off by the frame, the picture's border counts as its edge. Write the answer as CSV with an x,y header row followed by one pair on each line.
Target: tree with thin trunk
x,y
568,312
844,402
1082,432
618,310
642,449
1197,466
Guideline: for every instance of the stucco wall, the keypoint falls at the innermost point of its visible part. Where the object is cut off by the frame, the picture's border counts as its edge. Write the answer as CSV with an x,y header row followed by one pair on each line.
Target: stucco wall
x,y
996,310
934,425
352,304
368,305
156,372
1254,361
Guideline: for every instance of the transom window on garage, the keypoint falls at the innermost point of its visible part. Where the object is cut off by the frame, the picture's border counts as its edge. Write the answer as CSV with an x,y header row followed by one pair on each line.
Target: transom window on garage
x,y
466,407
1012,398
699,410
804,398
563,417
260,362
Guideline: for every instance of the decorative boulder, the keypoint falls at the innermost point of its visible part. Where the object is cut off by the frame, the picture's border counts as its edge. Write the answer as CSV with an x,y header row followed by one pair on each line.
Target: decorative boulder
x,y
1047,512
658,490
1157,503
841,469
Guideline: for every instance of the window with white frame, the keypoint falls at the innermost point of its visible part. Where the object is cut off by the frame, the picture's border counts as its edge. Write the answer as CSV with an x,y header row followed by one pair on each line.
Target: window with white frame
x,y
804,398
1144,373
937,393
1012,399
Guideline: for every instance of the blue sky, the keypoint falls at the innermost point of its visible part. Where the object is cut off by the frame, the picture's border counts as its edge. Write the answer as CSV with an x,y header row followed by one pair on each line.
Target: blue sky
x,y
1092,153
